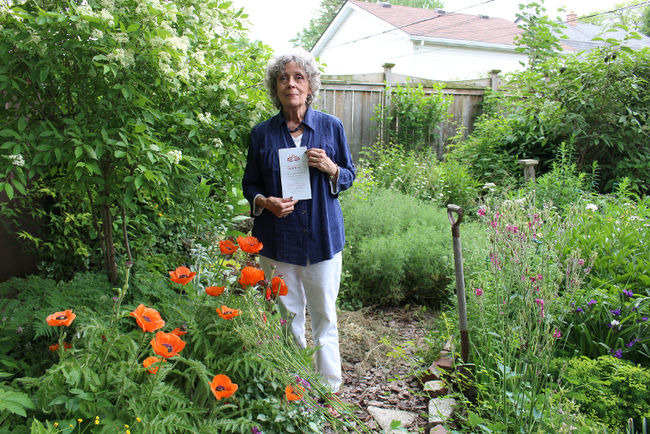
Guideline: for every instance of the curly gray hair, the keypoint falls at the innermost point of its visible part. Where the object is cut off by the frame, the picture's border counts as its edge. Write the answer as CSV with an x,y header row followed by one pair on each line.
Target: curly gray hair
x,y
275,68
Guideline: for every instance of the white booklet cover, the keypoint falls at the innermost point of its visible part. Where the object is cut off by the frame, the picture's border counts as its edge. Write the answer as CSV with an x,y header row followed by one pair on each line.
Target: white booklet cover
x,y
294,173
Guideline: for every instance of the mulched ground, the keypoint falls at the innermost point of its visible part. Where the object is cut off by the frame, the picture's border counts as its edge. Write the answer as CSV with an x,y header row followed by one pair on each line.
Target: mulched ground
x,y
371,376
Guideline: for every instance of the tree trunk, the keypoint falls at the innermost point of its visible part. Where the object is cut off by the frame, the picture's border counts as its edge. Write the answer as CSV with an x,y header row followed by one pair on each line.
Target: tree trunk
x,y
109,255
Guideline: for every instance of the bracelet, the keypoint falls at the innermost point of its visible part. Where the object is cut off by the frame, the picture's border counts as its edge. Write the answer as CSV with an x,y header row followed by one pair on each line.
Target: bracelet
x,y
333,177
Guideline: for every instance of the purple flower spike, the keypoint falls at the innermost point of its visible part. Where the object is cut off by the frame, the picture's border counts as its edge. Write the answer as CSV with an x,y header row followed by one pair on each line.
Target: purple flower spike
x,y
628,293
618,353
579,309
255,430
615,312
591,302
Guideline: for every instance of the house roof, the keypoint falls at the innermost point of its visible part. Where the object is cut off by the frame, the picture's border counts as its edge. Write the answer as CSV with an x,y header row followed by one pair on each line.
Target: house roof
x,y
434,23
580,36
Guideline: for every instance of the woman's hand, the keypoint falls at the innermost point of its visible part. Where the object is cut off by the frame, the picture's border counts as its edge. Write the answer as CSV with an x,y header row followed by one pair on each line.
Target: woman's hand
x,y
280,207
318,159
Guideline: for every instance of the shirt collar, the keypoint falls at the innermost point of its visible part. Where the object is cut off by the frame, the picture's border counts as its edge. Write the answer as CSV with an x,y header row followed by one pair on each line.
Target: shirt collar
x,y
309,118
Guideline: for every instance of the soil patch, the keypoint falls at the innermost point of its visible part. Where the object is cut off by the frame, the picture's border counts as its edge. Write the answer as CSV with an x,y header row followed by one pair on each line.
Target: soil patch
x,y
378,348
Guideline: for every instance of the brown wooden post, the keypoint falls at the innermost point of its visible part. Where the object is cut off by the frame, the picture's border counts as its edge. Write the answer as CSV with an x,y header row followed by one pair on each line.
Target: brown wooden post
x,y
494,79
388,80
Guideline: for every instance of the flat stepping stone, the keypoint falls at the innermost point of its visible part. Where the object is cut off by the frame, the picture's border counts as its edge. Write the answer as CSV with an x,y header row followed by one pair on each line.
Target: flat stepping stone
x,y
434,389
441,409
385,416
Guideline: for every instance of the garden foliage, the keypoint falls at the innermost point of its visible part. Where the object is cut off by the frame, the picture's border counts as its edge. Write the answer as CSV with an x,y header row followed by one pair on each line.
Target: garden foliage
x,y
398,250
595,104
412,117
205,359
122,117
608,389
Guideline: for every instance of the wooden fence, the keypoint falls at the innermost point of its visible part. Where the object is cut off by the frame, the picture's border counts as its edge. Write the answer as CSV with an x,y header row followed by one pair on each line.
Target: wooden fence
x,y
353,100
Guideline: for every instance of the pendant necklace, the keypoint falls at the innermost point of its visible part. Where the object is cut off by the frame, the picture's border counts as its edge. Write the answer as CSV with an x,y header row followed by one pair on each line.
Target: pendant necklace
x,y
295,129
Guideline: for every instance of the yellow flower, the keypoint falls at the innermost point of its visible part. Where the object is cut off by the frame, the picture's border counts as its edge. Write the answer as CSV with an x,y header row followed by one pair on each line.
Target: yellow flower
x,y
128,432
80,420
126,426
138,419
56,424
96,421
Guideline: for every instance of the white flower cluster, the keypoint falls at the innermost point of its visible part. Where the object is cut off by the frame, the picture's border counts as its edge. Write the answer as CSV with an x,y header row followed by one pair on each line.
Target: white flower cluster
x,y
217,143
122,56
592,207
96,34
175,155
121,37
17,160
107,4
204,118
105,15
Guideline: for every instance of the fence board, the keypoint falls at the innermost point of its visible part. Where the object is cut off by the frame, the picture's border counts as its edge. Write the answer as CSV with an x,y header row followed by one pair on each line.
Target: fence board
x,y
354,103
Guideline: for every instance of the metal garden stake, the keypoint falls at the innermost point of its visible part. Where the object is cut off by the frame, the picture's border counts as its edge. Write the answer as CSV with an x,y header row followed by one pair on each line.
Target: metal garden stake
x,y
460,278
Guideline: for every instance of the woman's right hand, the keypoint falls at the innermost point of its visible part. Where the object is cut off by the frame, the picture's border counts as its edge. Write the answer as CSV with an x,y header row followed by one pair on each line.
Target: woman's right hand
x,y
279,206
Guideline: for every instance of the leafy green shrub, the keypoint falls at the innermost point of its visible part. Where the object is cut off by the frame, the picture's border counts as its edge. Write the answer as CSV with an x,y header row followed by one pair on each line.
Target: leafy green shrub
x,y
420,175
397,249
608,389
117,114
413,116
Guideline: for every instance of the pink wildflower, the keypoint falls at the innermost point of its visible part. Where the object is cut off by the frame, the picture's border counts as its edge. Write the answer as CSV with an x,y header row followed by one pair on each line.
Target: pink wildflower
x,y
478,291
557,334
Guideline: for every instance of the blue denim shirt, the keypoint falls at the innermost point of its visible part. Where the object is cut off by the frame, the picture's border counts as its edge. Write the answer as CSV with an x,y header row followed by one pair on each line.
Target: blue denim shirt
x,y
314,231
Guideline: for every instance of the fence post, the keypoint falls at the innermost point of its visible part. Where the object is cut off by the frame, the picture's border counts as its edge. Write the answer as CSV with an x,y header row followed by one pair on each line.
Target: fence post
x,y
388,80
494,79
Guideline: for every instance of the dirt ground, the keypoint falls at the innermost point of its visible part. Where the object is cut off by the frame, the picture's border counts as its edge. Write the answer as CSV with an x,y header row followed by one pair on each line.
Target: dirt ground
x,y
377,352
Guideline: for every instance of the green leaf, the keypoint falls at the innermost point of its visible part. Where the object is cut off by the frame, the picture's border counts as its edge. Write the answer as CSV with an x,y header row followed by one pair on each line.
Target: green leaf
x,y
9,190
225,5
44,73
139,180
91,152
133,27
22,124
8,133
119,154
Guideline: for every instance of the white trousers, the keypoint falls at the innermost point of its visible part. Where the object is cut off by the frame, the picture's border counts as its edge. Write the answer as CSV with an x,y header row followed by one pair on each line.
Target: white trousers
x,y
315,287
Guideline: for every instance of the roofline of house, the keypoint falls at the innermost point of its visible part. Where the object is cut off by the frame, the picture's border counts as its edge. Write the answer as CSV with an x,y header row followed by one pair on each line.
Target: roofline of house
x,y
463,43
336,22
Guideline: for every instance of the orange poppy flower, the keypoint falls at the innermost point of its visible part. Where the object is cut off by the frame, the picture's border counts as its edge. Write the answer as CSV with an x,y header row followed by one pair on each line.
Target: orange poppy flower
x,y
227,247
278,286
222,386
147,318
153,360
250,276
227,313
64,318
55,347
167,344
178,332
292,394
249,244
182,275
214,290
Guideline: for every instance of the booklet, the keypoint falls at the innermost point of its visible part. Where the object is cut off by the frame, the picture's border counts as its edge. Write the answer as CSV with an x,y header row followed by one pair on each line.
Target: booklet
x,y
294,173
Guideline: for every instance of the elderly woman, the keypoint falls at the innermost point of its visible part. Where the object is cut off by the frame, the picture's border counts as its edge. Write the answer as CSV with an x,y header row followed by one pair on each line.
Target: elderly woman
x,y
302,239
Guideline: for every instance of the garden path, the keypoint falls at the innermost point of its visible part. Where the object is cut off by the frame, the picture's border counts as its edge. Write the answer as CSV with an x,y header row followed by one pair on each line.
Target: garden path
x,y
371,376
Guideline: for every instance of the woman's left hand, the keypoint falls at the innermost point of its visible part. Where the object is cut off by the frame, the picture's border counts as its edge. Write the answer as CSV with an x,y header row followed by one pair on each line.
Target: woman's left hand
x,y
318,159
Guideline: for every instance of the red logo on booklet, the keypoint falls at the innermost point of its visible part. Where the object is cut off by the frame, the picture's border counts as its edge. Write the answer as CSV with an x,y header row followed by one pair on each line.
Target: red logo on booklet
x,y
293,158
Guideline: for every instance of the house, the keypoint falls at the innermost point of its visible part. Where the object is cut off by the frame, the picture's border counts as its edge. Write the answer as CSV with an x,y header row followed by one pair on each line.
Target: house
x,y
425,43
434,44
579,35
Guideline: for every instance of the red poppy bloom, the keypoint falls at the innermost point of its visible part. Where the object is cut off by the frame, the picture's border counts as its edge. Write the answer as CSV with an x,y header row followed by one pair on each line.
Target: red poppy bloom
x,y
227,313
182,275
278,286
178,332
292,394
222,386
147,318
167,344
153,360
55,347
64,318
214,291
250,276
227,247
249,244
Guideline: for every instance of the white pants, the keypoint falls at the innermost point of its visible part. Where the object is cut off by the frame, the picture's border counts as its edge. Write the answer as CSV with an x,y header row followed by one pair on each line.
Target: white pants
x,y
316,287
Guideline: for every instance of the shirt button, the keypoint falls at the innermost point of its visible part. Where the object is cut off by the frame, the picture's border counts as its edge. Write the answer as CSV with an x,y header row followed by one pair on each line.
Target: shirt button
x,y
304,212
305,230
